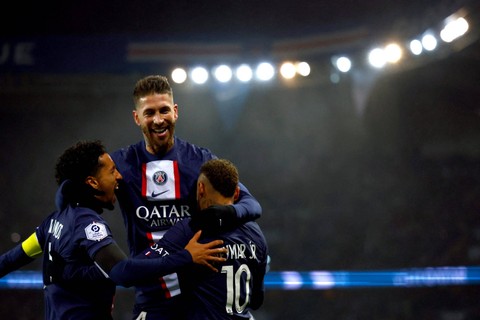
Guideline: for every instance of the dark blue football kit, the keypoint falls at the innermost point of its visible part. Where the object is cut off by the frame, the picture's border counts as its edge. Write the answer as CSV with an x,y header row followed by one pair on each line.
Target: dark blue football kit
x,y
72,236
75,234
155,194
238,286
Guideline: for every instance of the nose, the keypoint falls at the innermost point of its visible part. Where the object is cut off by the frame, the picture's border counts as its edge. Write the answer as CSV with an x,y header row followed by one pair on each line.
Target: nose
x,y
157,118
118,175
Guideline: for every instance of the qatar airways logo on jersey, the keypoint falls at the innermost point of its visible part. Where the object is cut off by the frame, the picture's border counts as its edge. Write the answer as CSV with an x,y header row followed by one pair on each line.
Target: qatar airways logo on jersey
x,y
163,215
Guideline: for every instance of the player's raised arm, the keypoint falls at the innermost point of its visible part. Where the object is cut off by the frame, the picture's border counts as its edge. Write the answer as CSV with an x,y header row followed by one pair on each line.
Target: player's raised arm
x,y
20,255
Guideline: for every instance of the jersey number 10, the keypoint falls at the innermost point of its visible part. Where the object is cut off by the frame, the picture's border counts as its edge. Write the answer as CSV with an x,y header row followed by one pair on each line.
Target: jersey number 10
x,y
234,283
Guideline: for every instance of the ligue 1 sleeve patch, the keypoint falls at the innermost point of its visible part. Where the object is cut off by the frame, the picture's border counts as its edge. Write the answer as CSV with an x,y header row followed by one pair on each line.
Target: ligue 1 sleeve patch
x,y
96,231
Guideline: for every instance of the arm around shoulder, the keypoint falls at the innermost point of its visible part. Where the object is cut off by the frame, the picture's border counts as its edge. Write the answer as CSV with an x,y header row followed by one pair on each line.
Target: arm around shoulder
x,y
247,207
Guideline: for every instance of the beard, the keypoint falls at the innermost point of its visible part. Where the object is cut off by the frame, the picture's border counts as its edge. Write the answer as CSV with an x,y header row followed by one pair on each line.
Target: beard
x,y
159,145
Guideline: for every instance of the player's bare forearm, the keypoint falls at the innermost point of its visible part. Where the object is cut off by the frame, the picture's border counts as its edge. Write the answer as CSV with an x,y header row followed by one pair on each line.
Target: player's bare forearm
x,y
206,254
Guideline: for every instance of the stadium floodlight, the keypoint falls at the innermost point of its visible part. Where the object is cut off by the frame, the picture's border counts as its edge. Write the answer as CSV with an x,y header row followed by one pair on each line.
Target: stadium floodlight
x,y
303,68
244,73
343,64
223,73
179,75
429,42
265,71
454,29
377,58
393,53
288,70
416,47
199,75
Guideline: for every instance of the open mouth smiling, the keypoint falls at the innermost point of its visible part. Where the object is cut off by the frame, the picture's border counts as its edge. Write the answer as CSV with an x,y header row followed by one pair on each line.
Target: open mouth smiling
x,y
159,130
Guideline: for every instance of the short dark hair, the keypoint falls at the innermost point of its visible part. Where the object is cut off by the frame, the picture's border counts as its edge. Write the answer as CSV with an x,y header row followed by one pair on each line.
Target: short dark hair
x,y
222,174
150,85
79,161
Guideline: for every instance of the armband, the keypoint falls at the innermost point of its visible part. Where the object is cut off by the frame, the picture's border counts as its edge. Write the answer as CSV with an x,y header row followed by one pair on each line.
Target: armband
x,y
31,246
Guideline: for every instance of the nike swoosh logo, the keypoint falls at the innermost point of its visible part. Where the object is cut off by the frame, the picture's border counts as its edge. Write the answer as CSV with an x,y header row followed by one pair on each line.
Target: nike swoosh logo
x,y
154,195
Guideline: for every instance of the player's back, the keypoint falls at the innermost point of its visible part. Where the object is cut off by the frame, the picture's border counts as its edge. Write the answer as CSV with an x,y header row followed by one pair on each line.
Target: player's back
x,y
64,236
238,286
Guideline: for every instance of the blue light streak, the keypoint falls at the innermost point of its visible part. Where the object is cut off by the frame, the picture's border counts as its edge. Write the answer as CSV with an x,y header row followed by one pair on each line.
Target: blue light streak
x,y
319,280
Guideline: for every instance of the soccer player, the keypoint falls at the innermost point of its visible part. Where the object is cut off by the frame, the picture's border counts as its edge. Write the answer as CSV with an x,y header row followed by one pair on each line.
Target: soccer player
x,y
158,190
77,235
238,288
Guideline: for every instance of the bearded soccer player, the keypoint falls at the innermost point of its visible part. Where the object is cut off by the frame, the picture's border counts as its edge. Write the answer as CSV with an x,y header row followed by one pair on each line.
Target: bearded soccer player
x,y
158,190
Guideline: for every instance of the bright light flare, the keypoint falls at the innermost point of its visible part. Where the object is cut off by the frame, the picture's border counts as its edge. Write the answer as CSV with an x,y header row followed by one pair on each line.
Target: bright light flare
x,y
429,42
377,58
393,53
199,75
179,75
223,73
416,47
265,71
244,73
454,29
288,70
303,69
343,64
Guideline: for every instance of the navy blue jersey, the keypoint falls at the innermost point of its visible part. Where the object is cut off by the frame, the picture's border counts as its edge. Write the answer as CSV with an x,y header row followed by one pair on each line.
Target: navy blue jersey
x,y
156,193
75,234
237,287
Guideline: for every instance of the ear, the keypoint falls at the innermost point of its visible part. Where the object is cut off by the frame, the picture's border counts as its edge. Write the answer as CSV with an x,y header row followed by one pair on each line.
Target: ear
x,y
200,188
135,117
92,182
175,111
236,195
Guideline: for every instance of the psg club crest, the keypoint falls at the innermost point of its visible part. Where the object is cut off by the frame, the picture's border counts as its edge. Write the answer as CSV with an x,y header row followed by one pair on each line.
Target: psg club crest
x,y
160,178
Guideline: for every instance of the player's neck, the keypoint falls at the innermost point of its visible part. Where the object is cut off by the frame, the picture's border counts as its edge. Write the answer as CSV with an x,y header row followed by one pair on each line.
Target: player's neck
x,y
159,150
220,201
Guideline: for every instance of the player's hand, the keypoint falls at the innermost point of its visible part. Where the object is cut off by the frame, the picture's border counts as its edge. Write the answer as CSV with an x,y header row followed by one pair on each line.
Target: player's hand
x,y
206,254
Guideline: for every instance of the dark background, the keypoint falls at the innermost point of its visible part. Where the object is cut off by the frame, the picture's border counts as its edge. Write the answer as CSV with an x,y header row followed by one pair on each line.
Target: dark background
x,y
388,182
